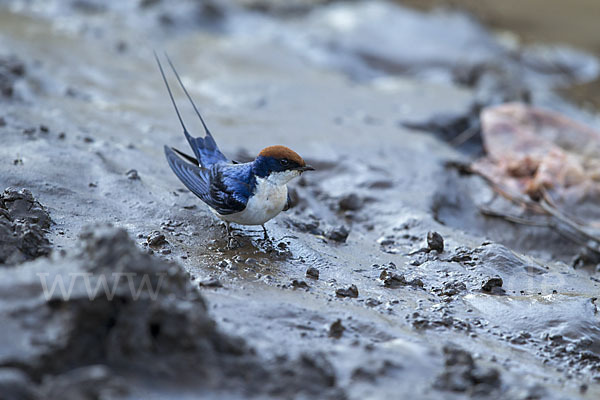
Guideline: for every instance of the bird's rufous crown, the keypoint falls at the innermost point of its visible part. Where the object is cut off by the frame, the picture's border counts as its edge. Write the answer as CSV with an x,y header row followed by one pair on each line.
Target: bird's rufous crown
x,y
280,152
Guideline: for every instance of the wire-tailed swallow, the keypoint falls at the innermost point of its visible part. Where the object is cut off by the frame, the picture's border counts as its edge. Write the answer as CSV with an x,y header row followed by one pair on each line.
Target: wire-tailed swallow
x,y
242,193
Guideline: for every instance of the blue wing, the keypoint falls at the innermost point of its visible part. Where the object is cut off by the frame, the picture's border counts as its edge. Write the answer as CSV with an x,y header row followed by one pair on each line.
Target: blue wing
x,y
192,176
224,187
230,187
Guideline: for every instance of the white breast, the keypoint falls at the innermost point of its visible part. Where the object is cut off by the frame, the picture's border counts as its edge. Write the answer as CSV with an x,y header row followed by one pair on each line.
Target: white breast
x,y
270,197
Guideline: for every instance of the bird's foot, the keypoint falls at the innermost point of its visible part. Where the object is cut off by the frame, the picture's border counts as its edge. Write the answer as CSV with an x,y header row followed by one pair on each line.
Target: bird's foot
x,y
233,243
228,228
266,237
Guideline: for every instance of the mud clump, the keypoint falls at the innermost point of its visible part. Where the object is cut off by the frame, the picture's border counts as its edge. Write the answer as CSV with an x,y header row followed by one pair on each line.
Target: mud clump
x,y
210,283
391,280
311,227
336,329
144,318
441,319
351,291
339,234
435,241
492,285
350,202
371,302
11,69
161,326
23,225
299,284
462,375
156,239
451,288
133,175
312,272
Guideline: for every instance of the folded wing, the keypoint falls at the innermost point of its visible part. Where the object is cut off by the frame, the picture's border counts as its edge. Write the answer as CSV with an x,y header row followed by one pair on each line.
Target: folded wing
x,y
195,178
222,187
230,187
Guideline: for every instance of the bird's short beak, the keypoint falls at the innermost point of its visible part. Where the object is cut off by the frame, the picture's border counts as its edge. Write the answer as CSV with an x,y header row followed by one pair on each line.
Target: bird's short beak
x,y
306,168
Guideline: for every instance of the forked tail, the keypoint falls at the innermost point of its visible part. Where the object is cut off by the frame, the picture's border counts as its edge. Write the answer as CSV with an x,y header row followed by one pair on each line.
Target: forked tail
x,y
205,149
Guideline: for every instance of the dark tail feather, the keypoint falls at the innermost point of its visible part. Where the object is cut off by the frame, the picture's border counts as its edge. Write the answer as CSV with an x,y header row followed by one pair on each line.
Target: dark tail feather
x,y
189,138
205,149
188,95
186,156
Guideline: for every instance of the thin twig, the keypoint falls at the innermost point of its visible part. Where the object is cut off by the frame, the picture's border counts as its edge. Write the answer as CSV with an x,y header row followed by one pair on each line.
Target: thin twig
x,y
548,224
567,221
464,136
513,218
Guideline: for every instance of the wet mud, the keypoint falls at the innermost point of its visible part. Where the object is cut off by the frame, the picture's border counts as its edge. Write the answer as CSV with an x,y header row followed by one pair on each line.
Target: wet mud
x,y
387,279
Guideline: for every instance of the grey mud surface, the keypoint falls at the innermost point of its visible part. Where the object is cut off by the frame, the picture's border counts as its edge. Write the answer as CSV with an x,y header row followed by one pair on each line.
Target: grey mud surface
x,y
356,297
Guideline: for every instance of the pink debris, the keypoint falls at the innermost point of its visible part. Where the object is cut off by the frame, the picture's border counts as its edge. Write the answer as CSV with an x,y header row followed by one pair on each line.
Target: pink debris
x,y
537,152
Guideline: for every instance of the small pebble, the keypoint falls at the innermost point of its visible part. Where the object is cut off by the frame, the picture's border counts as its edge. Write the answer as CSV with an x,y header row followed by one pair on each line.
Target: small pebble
x,y
351,291
336,329
350,202
371,302
133,175
156,239
297,284
312,272
121,46
435,241
392,280
490,283
339,234
212,282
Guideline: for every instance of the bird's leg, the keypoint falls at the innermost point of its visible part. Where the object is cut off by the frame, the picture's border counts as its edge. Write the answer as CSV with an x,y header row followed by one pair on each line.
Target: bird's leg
x,y
232,242
265,232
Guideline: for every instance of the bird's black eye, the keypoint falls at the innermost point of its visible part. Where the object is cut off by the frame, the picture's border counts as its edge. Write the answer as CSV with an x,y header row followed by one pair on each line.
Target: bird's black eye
x,y
284,162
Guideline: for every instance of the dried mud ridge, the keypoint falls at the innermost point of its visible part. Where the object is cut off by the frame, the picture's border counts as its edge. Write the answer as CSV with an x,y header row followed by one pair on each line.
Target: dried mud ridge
x,y
96,347
23,225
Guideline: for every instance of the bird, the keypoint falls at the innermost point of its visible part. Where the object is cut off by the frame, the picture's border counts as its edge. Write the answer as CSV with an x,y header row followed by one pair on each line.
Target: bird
x,y
250,193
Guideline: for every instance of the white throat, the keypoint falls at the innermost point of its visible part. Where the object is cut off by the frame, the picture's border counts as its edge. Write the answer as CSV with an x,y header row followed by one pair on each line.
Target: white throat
x,y
281,178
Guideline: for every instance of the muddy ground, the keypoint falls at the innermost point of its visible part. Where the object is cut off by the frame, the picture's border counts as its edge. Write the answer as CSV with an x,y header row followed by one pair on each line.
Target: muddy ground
x,y
351,299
